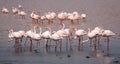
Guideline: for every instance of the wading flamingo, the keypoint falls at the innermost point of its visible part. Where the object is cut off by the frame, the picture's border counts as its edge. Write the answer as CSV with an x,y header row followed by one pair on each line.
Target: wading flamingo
x,y
22,14
16,35
34,16
50,16
79,34
107,34
62,16
55,37
46,36
5,10
15,10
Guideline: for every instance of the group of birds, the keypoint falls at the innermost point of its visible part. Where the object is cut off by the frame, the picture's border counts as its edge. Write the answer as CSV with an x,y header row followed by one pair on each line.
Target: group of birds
x,y
36,34
49,16
57,36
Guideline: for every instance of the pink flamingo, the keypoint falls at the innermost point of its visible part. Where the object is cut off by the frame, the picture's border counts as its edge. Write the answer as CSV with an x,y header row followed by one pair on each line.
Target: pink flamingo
x,y
5,10
50,16
62,16
46,36
79,34
16,35
22,14
107,34
15,10
34,16
55,37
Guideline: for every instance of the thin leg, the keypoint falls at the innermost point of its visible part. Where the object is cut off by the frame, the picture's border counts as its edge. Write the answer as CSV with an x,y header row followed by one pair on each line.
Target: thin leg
x,y
30,45
79,40
66,43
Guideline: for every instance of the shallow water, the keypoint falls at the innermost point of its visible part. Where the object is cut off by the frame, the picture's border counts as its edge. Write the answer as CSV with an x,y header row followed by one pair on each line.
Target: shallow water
x,y
99,13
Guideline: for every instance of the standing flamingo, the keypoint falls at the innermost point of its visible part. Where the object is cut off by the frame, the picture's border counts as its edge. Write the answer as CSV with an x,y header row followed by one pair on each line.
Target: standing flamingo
x,y
91,35
46,36
62,16
79,34
55,37
107,34
16,36
66,32
22,14
50,16
15,10
29,35
34,16
37,36
99,30
5,10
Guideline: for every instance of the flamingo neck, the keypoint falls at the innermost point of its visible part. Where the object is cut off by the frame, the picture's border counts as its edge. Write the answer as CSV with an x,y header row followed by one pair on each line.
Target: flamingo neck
x,y
63,26
40,31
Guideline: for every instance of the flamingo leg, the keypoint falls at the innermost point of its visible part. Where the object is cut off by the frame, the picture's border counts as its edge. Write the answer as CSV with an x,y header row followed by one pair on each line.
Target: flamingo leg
x,y
108,43
55,46
25,42
79,40
60,45
15,45
66,43
20,44
95,44
30,45
70,43
90,42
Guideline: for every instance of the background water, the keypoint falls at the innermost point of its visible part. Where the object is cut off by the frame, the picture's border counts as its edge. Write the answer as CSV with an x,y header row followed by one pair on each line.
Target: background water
x,y
103,13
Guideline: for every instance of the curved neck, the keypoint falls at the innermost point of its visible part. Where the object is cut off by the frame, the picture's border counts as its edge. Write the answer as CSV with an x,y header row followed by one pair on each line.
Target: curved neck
x,y
40,30
63,26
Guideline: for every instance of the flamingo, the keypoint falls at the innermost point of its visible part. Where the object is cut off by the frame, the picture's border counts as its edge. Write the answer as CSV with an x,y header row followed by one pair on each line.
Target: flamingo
x,y
5,10
99,30
70,17
91,35
34,16
62,16
43,18
50,16
22,14
37,36
83,15
73,16
107,34
15,10
29,34
66,32
79,34
16,35
46,36
55,37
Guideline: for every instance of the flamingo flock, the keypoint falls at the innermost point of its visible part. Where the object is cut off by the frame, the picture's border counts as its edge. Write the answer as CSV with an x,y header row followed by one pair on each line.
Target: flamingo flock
x,y
36,33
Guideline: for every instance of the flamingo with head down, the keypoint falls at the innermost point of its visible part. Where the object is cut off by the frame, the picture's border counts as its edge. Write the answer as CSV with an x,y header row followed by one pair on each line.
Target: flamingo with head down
x,y
107,34
79,34
17,36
